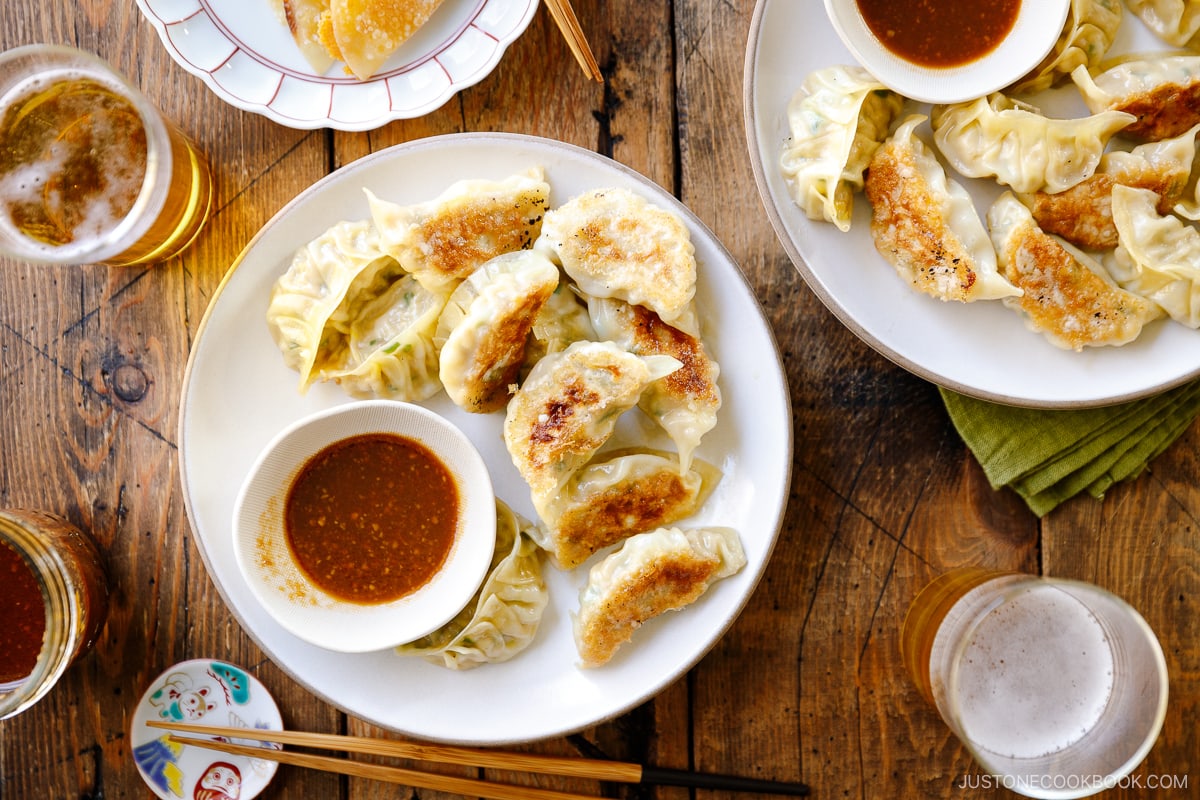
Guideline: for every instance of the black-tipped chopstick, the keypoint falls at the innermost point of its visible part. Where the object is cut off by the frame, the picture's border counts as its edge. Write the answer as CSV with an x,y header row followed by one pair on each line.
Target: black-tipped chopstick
x,y
598,769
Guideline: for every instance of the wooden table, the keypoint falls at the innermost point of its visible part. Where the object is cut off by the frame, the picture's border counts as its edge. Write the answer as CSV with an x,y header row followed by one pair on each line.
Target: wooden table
x,y
808,683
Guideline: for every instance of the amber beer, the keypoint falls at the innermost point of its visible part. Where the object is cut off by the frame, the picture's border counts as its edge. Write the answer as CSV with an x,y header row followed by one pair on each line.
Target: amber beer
x,y
90,172
925,615
1057,686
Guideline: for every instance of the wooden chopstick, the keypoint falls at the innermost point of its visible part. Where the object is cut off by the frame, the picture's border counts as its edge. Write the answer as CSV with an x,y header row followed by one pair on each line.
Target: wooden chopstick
x,y
591,768
469,787
444,754
568,23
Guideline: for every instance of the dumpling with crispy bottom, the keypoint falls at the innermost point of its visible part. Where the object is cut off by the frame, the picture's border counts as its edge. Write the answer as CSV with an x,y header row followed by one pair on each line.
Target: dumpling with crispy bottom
x,y
684,403
614,243
1083,214
618,495
484,328
652,573
442,241
568,408
1068,296
925,224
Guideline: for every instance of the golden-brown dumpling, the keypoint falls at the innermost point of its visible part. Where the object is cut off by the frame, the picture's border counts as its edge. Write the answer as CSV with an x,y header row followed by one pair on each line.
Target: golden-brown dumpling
x,y
684,403
483,330
1068,296
652,573
442,241
618,495
925,225
613,243
568,407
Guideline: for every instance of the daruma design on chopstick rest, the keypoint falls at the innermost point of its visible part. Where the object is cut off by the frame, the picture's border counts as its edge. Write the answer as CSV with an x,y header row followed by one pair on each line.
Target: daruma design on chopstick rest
x,y
209,692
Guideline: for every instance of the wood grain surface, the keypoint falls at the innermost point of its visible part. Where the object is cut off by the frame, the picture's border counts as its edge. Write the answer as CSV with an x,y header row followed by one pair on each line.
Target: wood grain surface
x,y
807,685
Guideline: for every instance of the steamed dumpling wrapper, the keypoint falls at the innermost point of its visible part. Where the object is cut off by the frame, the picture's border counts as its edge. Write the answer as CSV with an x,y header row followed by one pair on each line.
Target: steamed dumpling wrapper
x,y
839,116
483,329
1088,33
617,495
1158,256
1163,92
390,351
442,241
305,313
1068,296
925,224
998,137
650,574
503,617
568,408
613,243
1176,22
684,403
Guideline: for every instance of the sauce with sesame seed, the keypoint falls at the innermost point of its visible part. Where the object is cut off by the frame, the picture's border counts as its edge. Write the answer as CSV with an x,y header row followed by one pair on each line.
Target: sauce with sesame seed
x,y
940,33
22,617
371,518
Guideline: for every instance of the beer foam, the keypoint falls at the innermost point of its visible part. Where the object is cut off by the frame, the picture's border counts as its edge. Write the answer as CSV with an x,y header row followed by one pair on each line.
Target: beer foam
x,y
77,211
1036,675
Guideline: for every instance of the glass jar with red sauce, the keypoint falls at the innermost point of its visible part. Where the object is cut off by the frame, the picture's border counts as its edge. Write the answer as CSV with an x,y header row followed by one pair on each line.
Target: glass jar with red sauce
x,y
53,603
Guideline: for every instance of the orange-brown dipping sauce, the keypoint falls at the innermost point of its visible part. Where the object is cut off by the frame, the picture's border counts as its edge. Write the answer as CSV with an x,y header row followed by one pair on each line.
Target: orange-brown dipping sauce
x,y
940,33
22,617
371,519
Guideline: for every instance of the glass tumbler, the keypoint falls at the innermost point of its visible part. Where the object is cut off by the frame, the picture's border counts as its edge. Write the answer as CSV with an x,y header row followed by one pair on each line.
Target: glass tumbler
x,y
1057,687
90,170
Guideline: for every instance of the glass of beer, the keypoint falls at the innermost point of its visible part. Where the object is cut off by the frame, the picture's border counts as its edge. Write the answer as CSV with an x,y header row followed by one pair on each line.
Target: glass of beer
x,y
1058,688
90,171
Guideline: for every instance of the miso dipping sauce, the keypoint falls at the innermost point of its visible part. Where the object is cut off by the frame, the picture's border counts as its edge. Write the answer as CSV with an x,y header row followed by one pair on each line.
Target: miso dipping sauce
x,y
940,33
371,518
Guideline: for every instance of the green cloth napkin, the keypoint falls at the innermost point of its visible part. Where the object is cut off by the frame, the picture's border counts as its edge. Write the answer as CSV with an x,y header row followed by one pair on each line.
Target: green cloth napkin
x,y
1049,456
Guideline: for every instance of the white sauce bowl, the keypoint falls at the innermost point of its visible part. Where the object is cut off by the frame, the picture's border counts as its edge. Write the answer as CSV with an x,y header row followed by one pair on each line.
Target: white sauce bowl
x,y
1038,26
304,609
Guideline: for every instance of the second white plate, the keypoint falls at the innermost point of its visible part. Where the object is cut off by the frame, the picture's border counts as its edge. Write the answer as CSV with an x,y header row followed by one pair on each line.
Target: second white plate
x,y
980,349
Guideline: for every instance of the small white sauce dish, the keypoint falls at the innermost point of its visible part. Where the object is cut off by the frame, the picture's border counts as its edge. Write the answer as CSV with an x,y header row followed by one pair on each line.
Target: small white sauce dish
x,y
1034,33
265,557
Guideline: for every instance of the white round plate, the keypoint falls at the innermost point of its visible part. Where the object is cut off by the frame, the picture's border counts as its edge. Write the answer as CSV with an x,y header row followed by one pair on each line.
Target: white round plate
x,y
245,53
237,394
980,349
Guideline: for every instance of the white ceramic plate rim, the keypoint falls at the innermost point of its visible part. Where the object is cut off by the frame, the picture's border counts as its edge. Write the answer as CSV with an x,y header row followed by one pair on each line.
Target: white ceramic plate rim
x,y
1034,33
981,350
246,55
237,394
323,619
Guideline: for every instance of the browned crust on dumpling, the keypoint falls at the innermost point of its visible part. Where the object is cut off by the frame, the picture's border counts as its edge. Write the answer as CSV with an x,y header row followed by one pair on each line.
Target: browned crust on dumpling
x,y
542,432
1163,112
479,229
909,231
696,379
619,512
496,367
1083,214
671,581
1064,298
